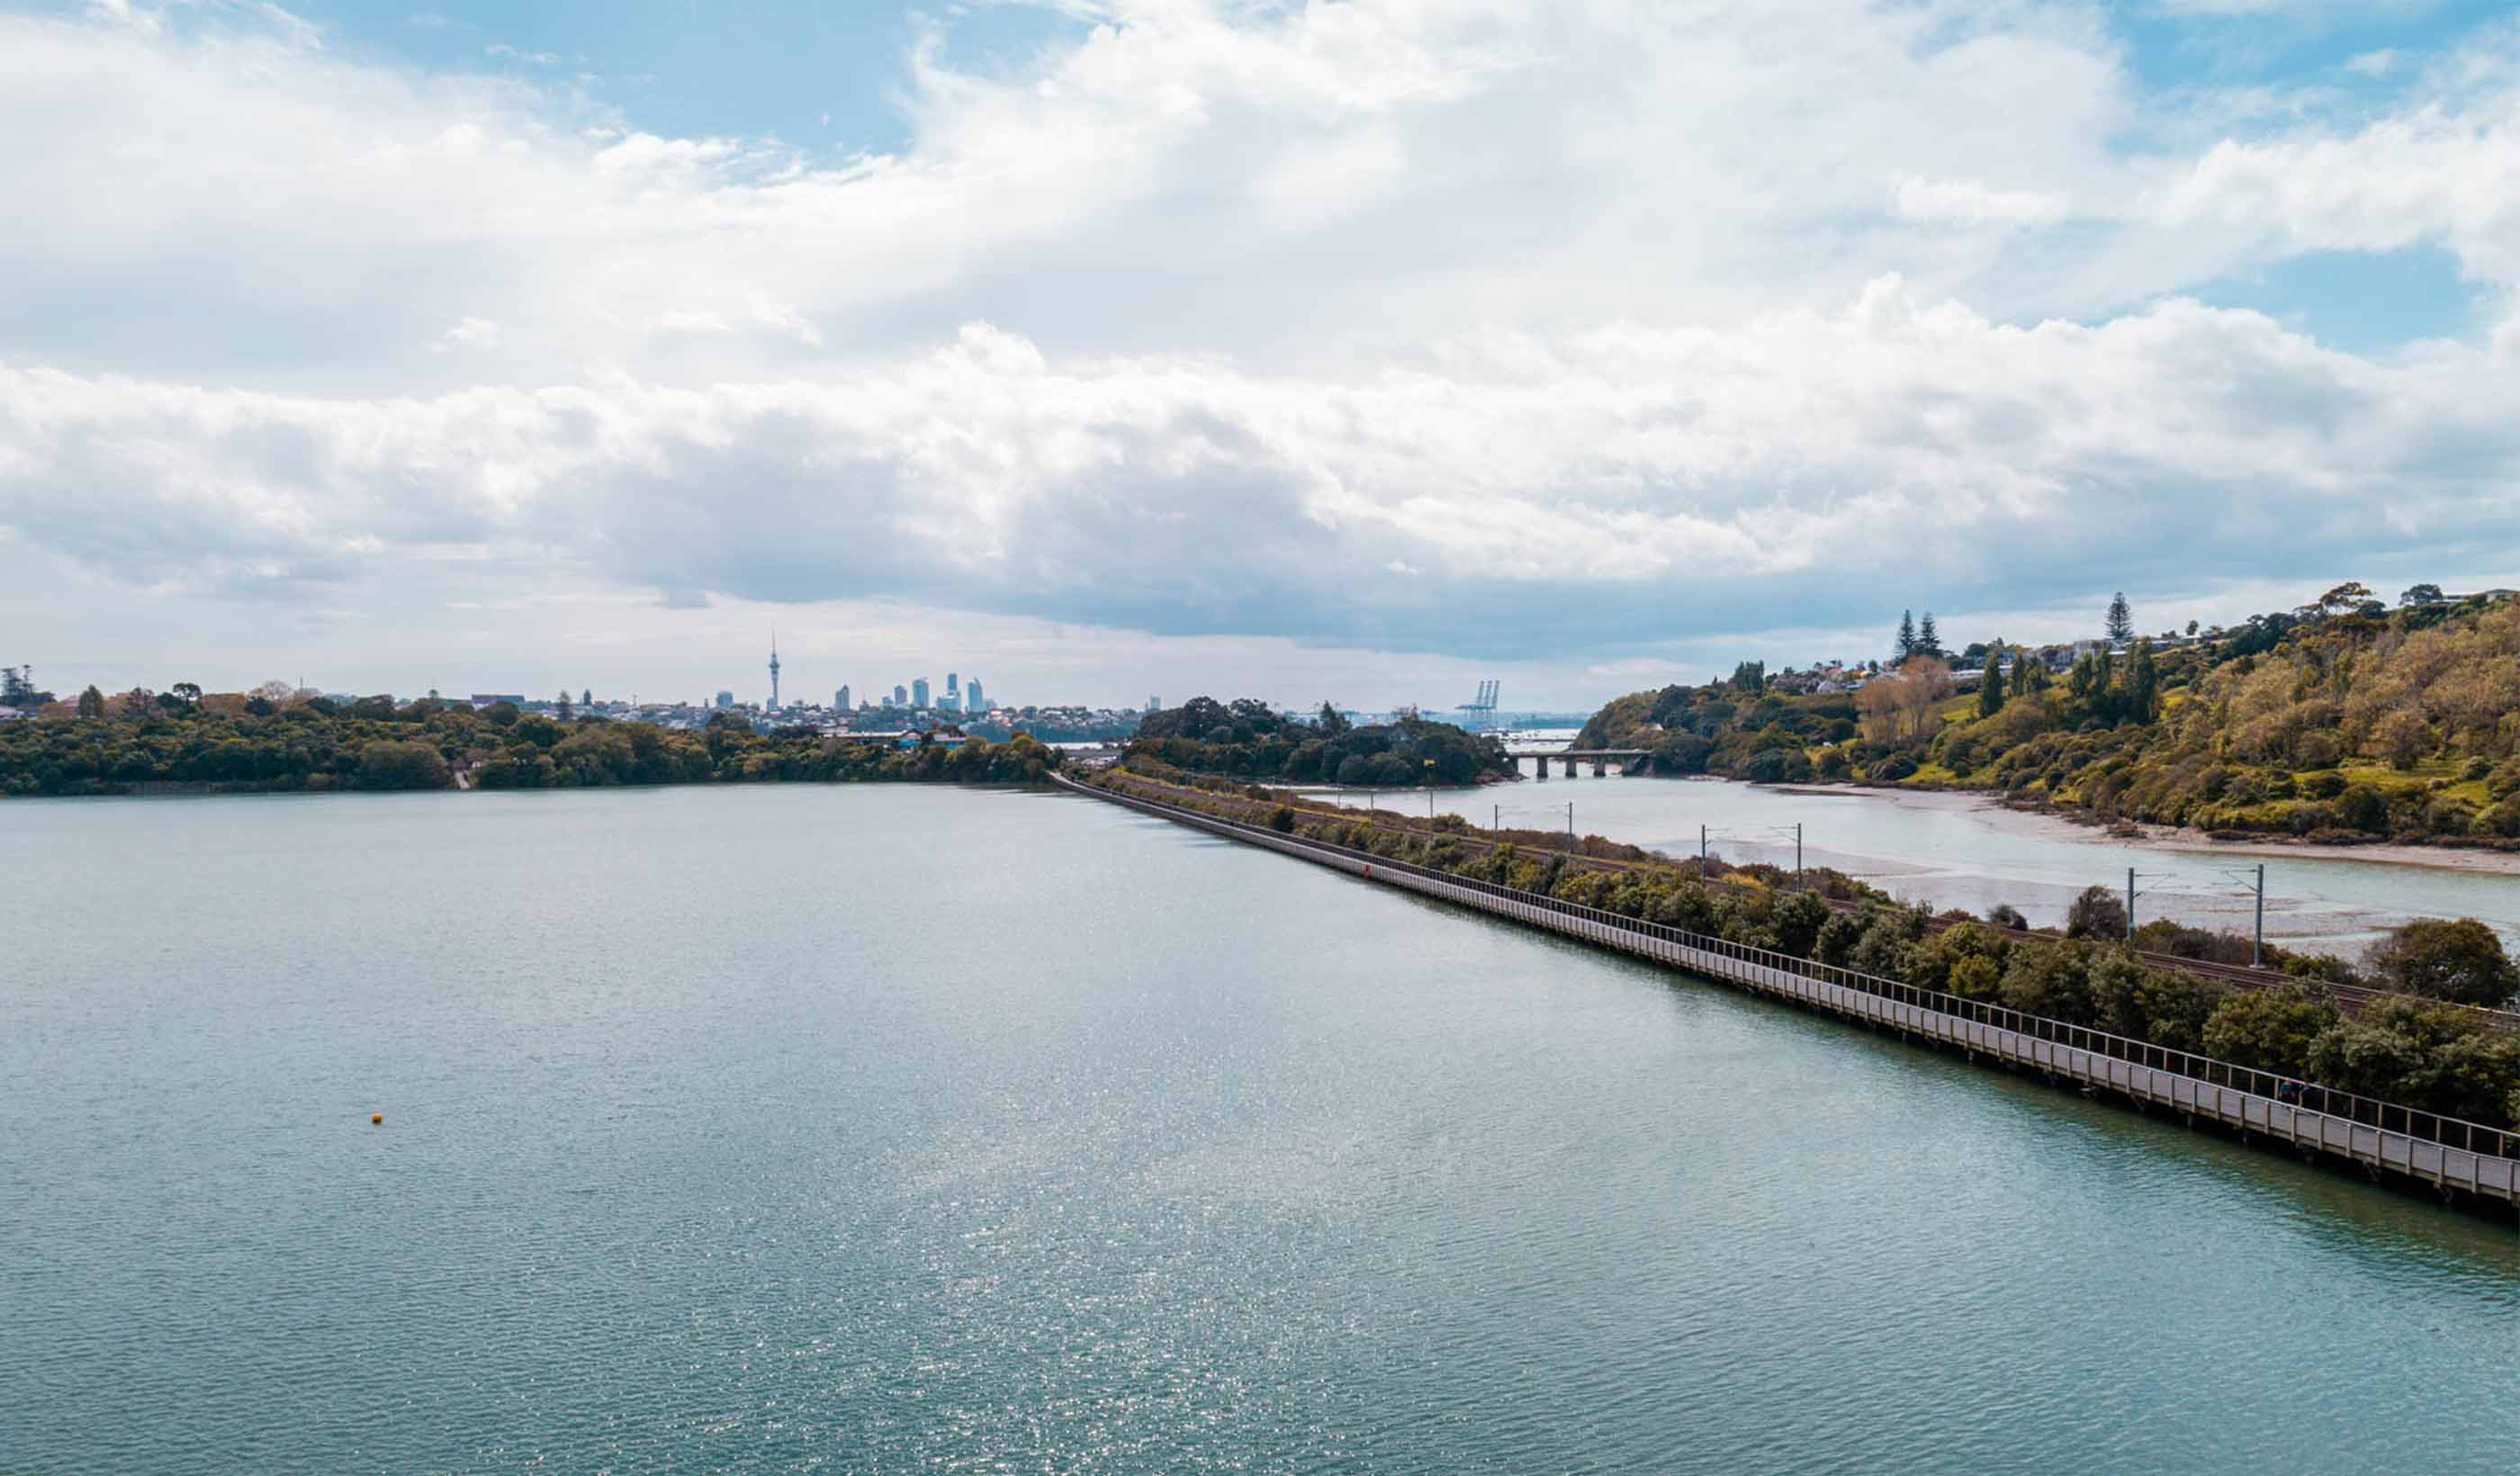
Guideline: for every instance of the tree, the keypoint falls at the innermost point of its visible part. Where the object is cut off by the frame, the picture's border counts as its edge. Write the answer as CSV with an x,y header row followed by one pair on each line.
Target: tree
x,y
563,706
2345,597
1928,642
1750,677
277,693
2096,914
1332,723
2192,627
1919,692
2121,619
17,688
2460,961
188,693
1907,635
586,696
1990,684
91,702
2421,594
390,765
2024,665
2142,686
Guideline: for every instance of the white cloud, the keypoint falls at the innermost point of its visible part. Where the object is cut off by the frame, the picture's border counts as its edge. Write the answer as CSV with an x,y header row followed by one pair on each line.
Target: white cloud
x,y
1967,202
1374,324
1643,475
470,332
2374,64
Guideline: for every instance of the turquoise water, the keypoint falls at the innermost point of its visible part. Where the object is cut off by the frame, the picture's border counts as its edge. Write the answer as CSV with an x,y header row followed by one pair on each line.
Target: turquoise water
x,y
910,1129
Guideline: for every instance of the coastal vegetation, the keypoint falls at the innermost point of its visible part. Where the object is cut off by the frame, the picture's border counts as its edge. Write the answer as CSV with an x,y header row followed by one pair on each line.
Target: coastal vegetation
x,y
2422,1047
1251,739
185,739
2341,721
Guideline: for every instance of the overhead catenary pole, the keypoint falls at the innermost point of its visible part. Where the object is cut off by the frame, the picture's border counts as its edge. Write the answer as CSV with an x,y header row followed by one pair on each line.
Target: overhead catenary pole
x,y
2258,940
1798,853
2130,917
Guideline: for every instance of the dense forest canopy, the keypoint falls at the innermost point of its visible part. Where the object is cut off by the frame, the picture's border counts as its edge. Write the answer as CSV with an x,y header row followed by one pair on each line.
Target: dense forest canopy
x,y
2342,720
231,742
1250,738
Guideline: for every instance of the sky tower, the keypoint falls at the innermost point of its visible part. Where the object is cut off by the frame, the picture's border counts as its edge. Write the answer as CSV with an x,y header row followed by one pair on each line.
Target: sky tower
x,y
774,668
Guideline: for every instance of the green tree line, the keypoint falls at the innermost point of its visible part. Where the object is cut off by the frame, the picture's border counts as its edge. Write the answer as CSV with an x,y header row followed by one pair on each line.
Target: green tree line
x,y
374,743
1251,739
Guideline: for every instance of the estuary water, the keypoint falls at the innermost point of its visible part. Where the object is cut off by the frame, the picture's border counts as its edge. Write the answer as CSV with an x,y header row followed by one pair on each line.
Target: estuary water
x,y
1960,850
895,1130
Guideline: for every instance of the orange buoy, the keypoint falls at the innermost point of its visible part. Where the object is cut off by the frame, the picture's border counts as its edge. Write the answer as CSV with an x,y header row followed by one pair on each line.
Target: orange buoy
x,y
378,1118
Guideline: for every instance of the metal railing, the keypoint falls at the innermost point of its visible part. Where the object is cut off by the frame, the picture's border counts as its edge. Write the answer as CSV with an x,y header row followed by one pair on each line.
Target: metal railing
x,y
2386,1116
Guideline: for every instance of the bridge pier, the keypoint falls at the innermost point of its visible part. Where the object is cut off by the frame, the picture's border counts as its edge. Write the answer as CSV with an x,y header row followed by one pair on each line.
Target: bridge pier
x,y
1540,763
1570,767
1600,767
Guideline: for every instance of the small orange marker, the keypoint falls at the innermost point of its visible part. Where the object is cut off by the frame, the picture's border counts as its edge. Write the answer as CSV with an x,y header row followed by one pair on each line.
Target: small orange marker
x,y
378,1118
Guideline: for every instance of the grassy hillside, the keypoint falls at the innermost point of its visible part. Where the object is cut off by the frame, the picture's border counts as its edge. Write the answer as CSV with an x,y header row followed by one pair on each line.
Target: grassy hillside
x,y
2357,725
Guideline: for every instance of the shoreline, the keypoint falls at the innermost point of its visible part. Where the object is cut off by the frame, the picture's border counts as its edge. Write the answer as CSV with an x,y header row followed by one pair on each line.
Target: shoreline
x,y
2481,861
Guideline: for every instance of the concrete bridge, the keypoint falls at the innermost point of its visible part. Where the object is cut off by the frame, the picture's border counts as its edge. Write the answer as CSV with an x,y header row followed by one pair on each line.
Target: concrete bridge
x,y
1600,759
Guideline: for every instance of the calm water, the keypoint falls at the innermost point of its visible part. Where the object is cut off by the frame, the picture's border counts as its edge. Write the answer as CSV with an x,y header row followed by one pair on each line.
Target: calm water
x,y
1956,851
893,1130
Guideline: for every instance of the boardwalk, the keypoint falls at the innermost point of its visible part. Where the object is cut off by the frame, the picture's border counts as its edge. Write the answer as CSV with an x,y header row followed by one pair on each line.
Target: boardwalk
x,y
2465,1161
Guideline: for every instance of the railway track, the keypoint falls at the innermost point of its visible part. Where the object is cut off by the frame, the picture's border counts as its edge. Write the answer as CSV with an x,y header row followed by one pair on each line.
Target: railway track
x,y
2349,997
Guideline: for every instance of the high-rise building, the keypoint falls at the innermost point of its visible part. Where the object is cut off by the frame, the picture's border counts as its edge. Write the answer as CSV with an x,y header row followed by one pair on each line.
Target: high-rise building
x,y
972,701
726,699
774,668
841,698
953,685
918,691
1155,704
900,695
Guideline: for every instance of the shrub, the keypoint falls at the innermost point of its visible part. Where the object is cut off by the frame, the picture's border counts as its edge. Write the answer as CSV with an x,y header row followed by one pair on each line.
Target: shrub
x,y
2096,914
2269,1029
2439,959
2362,807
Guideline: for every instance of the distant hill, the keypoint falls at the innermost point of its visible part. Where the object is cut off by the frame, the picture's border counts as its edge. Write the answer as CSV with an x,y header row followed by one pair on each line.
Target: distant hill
x,y
2339,724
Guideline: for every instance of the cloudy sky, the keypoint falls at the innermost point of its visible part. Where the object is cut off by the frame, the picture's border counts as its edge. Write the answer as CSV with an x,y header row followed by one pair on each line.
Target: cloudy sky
x,y
1107,347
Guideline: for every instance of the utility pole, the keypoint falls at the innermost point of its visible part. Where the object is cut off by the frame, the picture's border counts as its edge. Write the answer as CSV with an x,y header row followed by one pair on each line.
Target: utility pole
x,y
1701,855
1570,826
1798,853
2258,940
2129,904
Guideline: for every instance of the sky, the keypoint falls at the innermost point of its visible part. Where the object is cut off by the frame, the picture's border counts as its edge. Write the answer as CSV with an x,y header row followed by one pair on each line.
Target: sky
x,y
1117,348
